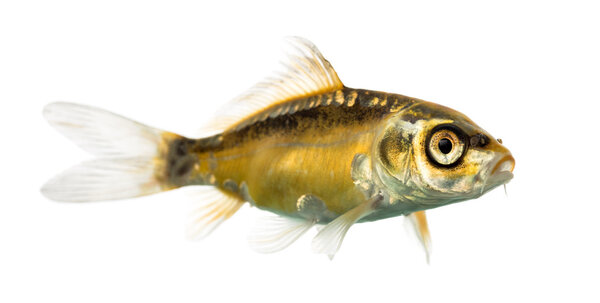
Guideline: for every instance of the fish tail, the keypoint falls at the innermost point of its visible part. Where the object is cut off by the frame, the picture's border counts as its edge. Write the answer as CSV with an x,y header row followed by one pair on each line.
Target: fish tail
x,y
131,159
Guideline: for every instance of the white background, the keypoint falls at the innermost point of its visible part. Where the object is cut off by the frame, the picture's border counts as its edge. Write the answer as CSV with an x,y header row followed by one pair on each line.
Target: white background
x,y
528,72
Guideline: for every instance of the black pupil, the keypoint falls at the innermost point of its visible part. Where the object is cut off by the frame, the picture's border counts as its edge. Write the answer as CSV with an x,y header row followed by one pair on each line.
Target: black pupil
x,y
445,146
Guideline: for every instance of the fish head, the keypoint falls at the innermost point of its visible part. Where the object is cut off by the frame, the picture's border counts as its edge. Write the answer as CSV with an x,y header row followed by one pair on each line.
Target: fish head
x,y
434,155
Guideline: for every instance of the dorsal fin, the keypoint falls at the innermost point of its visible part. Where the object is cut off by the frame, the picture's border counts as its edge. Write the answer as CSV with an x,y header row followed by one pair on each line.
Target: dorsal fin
x,y
305,73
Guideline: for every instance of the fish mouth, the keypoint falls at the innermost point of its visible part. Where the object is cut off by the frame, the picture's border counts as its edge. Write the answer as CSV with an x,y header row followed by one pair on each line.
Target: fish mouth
x,y
500,173
506,164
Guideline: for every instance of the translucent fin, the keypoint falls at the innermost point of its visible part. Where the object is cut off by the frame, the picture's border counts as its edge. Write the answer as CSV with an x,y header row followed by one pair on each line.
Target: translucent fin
x,y
273,233
103,179
418,223
305,73
129,155
329,239
102,133
211,207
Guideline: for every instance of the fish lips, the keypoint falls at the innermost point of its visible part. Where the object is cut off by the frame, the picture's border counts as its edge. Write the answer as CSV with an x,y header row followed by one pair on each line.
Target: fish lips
x,y
500,172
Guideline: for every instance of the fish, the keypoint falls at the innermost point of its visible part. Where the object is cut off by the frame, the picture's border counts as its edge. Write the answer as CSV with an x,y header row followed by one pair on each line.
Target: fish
x,y
300,146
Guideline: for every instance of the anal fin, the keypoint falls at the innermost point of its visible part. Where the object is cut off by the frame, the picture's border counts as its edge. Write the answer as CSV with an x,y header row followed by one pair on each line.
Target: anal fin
x,y
212,206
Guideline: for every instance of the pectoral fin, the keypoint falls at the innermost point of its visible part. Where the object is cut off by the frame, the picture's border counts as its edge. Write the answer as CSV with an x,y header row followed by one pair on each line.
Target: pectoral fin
x,y
329,239
418,222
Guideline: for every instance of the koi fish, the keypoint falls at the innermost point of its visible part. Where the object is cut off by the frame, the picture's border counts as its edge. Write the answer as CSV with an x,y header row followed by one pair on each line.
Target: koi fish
x,y
300,145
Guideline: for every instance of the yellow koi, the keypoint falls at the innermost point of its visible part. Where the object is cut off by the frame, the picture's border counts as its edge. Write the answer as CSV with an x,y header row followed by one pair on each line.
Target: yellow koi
x,y
300,145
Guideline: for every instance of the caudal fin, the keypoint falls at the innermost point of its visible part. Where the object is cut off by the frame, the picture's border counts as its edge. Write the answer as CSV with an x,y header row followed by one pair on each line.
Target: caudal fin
x,y
130,155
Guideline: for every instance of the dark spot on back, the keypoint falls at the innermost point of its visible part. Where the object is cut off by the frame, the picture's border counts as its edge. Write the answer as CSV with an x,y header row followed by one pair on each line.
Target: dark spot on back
x,y
180,149
180,161
183,167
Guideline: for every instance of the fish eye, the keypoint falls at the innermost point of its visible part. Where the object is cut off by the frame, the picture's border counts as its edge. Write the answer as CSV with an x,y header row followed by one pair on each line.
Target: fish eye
x,y
445,146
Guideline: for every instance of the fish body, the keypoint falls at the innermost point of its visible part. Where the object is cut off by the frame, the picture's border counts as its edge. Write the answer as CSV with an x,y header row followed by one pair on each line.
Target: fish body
x,y
312,151
299,152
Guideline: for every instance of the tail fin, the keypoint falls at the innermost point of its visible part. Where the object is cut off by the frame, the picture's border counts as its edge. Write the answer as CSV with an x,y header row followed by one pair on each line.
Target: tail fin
x,y
130,156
